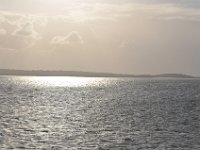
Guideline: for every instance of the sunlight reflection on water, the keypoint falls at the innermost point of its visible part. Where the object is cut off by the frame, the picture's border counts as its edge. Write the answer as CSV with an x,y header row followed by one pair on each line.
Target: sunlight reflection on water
x,y
98,113
64,81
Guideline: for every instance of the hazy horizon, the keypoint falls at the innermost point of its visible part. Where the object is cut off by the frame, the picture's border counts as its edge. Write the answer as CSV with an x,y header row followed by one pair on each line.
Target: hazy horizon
x,y
88,73
129,37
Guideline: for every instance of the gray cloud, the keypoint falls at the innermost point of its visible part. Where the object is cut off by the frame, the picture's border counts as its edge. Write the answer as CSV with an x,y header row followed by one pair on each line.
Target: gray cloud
x,y
181,3
79,11
72,38
26,30
158,10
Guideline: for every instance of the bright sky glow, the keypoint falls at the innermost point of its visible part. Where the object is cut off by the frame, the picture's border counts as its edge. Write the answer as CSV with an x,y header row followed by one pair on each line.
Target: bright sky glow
x,y
129,36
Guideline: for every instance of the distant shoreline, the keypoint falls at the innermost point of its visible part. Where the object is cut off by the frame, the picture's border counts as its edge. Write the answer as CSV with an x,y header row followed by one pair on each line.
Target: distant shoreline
x,y
85,74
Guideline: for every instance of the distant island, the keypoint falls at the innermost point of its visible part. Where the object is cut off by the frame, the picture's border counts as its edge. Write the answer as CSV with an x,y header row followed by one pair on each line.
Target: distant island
x,y
84,74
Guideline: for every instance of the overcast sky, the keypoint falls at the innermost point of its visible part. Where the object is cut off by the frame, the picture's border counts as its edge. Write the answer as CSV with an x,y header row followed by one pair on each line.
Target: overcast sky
x,y
120,36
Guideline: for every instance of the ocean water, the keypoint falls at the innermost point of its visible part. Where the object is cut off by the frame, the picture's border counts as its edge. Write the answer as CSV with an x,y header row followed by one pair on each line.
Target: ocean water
x,y
72,113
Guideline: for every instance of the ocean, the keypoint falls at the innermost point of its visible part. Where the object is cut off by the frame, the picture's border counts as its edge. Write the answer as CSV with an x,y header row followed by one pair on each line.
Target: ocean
x,y
73,113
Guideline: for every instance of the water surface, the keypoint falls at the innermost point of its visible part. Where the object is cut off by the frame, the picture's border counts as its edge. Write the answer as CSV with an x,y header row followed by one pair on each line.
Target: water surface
x,y
99,113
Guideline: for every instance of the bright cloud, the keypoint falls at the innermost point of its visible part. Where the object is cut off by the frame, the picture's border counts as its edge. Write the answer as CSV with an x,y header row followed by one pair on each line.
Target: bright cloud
x,y
19,30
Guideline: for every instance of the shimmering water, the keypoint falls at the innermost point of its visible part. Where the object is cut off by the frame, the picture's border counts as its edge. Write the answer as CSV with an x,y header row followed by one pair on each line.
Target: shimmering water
x,y
99,113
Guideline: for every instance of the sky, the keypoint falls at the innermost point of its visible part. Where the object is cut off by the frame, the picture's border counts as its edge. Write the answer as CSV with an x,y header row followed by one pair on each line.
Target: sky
x,y
118,36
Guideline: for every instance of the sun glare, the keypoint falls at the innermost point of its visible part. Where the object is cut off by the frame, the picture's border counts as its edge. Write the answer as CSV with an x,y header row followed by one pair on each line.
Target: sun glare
x,y
62,81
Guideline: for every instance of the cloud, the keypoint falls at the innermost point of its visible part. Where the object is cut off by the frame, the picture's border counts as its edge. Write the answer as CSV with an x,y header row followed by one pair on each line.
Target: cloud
x,y
26,30
181,3
173,11
3,32
72,38
108,9
19,30
26,34
111,10
169,11
15,42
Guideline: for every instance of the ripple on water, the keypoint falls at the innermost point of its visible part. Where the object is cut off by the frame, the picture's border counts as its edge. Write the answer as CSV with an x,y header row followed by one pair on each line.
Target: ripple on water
x,y
124,114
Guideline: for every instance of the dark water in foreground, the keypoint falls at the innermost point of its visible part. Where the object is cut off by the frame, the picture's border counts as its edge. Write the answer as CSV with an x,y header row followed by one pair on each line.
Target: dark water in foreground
x,y
103,114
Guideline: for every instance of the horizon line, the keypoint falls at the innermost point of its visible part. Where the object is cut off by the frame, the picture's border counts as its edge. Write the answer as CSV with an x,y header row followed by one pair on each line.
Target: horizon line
x,y
90,73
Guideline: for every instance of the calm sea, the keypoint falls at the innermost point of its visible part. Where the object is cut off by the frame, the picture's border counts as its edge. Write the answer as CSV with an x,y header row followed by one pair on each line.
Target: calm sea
x,y
99,113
